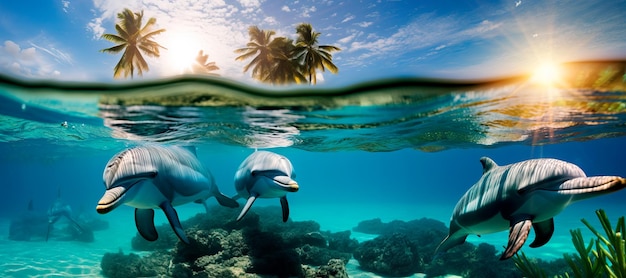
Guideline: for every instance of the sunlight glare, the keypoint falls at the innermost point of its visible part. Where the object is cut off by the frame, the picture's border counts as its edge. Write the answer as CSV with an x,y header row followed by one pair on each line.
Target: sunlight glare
x,y
546,74
181,52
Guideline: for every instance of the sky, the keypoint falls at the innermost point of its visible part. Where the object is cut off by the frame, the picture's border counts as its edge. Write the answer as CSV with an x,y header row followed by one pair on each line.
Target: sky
x,y
480,39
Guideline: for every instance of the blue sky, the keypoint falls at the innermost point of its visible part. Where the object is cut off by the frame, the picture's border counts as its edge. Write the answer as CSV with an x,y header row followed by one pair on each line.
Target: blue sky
x,y
60,39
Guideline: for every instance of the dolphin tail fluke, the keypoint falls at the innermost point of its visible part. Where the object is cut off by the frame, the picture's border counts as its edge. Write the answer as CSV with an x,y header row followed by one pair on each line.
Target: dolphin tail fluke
x,y
172,217
543,232
285,206
518,233
247,207
223,199
144,219
450,241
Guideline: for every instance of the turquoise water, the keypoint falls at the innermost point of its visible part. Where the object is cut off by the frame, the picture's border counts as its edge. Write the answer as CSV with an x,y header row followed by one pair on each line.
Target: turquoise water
x,y
391,149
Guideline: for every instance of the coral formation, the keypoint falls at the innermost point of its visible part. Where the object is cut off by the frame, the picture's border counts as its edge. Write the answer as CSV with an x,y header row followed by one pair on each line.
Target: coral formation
x,y
403,248
390,255
260,244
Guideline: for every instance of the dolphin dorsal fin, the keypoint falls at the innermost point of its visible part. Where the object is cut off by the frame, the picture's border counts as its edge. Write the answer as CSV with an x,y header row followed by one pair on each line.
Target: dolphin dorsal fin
x,y
487,163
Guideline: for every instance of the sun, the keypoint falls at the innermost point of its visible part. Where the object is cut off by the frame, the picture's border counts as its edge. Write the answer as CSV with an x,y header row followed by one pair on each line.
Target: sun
x,y
547,74
181,52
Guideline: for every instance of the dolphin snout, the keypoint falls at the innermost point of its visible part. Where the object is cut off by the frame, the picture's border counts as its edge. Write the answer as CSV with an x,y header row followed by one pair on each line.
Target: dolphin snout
x,y
110,200
287,183
293,186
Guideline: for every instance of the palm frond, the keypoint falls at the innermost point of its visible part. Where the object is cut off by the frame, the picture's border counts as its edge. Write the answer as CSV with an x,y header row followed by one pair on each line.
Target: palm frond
x,y
148,50
122,32
153,33
113,38
114,49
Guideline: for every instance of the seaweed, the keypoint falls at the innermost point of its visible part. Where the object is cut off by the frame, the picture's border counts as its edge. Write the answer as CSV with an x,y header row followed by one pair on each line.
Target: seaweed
x,y
528,267
603,256
610,250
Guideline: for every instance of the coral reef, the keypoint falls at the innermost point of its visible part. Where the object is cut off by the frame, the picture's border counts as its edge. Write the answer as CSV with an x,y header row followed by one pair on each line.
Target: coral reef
x,y
390,255
404,248
258,245
261,245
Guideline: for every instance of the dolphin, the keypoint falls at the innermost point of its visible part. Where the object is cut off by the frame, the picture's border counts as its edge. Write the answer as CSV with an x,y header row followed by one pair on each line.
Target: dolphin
x,y
155,176
520,196
58,210
265,175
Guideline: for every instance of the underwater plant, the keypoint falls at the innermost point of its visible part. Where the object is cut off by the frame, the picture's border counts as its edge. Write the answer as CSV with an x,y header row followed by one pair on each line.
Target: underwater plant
x,y
528,267
603,256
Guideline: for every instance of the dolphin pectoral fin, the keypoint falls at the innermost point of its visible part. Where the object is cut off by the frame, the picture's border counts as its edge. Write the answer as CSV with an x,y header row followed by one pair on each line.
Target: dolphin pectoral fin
x,y
144,220
172,217
246,207
543,232
518,233
223,200
285,206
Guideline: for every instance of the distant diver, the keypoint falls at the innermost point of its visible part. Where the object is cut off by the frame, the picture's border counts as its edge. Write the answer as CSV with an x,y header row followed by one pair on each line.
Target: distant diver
x,y
265,175
60,209
155,176
520,196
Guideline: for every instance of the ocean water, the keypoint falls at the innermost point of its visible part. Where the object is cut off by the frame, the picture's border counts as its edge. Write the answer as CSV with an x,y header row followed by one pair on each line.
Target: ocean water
x,y
399,149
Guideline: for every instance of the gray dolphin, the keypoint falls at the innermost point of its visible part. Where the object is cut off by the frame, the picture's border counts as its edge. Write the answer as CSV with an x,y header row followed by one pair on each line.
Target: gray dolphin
x,y
521,195
265,175
154,176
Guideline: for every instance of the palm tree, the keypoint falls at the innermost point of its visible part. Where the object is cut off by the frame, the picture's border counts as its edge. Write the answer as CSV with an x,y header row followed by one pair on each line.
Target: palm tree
x,y
201,66
259,45
134,40
311,55
285,69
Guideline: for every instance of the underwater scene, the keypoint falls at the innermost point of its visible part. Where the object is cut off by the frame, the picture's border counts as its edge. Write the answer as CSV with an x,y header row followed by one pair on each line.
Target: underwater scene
x,y
109,180
312,138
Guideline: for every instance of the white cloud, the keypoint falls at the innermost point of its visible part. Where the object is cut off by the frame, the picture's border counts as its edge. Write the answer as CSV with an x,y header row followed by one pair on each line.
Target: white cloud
x,y
26,62
59,56
66,5
306,12
423,32
348,18
270,20
95,26
250,3
285,9
347,39
365,24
